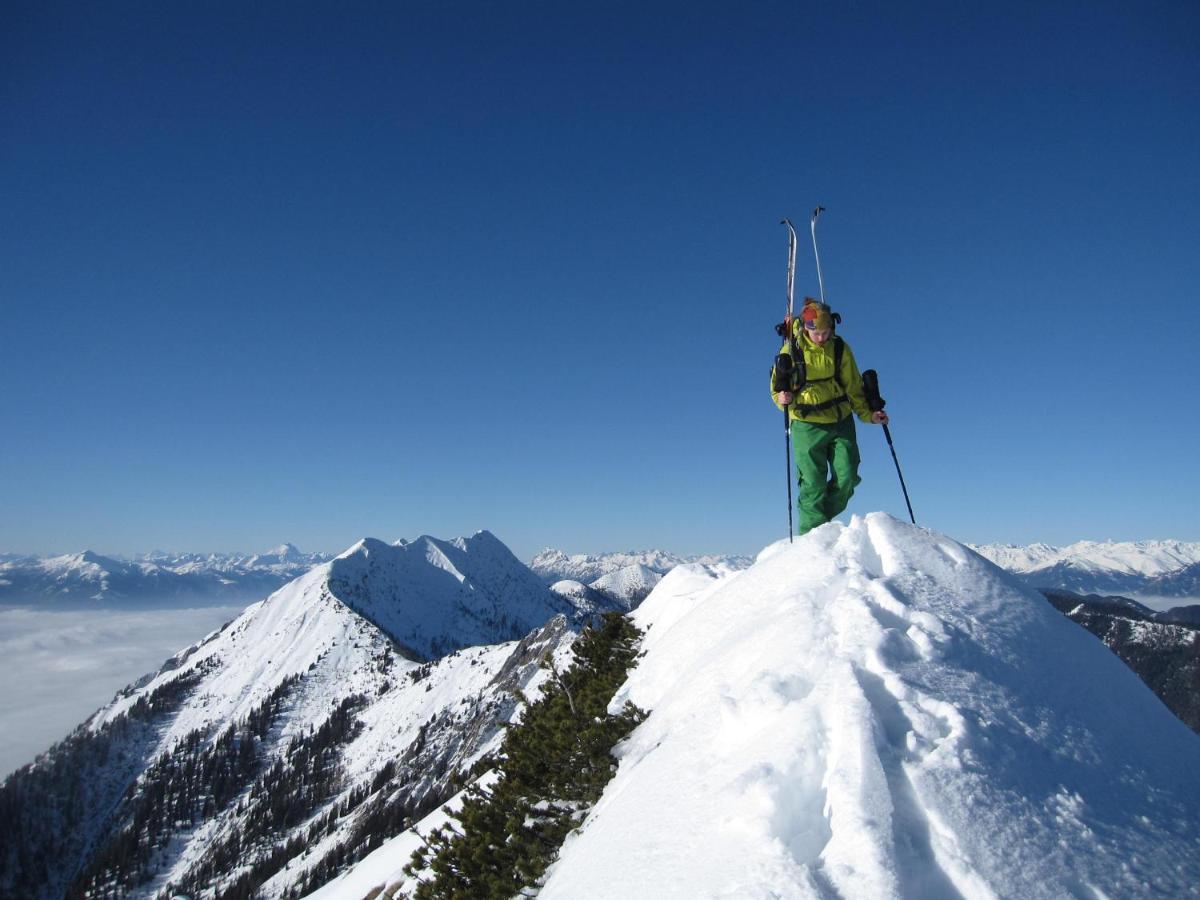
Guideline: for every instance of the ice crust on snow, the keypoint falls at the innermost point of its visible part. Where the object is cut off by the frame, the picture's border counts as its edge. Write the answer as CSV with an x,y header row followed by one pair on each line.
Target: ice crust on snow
x,y
877,711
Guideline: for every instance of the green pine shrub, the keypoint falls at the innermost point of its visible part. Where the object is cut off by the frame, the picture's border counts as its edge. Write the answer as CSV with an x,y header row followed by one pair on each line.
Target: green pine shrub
x,y
552,768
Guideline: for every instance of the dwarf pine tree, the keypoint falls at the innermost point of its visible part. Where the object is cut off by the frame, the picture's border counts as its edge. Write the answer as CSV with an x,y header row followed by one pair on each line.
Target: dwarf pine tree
x,y
553,767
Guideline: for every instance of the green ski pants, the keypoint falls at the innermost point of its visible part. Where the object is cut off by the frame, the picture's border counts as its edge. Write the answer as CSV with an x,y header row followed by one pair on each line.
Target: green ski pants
x,y
827,460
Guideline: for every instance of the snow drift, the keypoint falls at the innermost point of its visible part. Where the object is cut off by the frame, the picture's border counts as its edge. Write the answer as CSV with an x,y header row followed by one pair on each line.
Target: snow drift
x,y
877,711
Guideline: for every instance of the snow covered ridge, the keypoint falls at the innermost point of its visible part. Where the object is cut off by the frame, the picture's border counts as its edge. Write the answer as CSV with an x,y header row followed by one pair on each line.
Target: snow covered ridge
x,y
1135,568
876,711
93,579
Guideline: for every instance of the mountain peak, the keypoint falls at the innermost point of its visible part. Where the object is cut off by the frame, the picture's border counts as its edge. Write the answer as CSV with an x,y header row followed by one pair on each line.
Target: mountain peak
x,y
434,596
365,547
87,560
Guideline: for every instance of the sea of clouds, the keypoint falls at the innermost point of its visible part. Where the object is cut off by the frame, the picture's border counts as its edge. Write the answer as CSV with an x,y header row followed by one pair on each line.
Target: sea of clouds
x,y
57,667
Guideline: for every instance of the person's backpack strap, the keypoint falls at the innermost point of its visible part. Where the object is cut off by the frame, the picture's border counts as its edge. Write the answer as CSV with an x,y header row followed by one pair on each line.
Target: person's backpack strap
x,y
839,351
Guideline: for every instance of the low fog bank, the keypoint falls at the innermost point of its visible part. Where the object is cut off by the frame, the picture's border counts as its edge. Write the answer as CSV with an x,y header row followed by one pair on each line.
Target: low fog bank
x,y
57,667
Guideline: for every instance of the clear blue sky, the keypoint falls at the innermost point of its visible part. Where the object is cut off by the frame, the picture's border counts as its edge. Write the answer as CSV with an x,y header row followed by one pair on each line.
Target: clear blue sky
x,y
310,272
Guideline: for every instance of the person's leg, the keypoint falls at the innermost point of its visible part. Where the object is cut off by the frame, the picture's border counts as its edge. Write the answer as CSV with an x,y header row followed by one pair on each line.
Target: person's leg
x,y
810,450
843,460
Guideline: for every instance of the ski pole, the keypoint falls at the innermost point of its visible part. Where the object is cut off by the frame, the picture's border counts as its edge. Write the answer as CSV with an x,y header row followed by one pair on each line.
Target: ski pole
x,y
816,255
887,434
784,371
875,403
787,442
783,381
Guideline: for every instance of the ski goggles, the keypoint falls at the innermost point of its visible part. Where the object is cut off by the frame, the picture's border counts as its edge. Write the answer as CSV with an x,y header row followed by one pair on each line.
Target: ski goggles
x,y
814,326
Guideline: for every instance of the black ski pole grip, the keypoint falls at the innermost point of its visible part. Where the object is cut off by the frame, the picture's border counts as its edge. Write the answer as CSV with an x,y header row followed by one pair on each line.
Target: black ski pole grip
x,y
871,391
785,371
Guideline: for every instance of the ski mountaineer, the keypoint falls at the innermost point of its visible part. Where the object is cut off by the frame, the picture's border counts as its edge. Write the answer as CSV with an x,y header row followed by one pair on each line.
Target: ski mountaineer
x,y
825,391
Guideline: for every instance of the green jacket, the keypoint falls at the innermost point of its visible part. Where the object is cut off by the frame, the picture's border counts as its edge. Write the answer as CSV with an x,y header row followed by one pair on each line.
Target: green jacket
x,y
821,387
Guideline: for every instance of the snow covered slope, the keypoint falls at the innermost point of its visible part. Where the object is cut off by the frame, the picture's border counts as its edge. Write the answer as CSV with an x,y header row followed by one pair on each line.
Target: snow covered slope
x,y
876,711
1163,649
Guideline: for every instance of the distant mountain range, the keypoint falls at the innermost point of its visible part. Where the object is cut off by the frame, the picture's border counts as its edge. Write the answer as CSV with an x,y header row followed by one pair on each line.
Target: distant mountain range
x,y
91,579
1158,570
1139,569
554,565
624,578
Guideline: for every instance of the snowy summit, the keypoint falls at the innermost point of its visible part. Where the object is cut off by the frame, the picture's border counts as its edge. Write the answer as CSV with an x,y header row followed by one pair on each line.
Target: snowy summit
x,y
876,711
